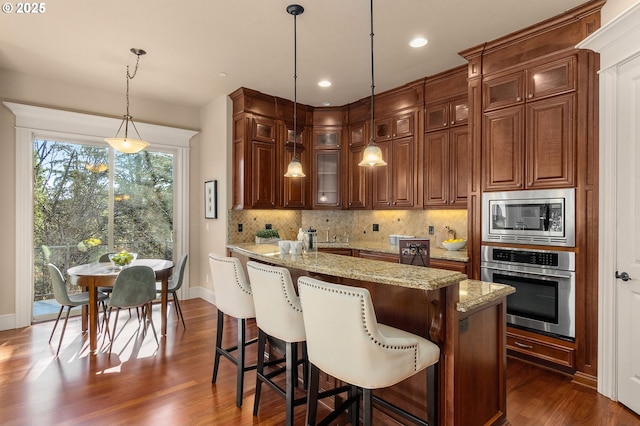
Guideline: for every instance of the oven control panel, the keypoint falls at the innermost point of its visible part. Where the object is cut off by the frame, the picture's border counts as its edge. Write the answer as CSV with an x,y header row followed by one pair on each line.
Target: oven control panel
x,y
546,259
528,257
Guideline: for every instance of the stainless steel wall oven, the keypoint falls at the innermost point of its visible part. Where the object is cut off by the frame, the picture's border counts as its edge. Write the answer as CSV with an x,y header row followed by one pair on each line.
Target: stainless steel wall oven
x,y
545,287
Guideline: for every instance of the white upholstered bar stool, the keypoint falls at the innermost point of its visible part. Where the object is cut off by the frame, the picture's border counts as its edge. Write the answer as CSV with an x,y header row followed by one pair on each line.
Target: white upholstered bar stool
x,y
345,341
279,316
233,298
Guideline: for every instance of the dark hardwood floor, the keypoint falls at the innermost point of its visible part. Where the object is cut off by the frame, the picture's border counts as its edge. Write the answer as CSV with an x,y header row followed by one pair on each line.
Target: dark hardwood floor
x,y
141,384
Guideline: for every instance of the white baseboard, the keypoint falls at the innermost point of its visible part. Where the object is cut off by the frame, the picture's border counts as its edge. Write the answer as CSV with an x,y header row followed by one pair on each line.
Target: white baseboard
x,y
7,322
203,293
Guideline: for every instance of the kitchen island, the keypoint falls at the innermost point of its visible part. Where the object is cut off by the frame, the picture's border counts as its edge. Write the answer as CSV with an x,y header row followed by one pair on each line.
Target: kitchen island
x,y
465,318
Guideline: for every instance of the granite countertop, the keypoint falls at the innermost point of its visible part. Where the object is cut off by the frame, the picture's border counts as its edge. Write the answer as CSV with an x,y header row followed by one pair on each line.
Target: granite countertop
x,y
473,293
435,253
354,267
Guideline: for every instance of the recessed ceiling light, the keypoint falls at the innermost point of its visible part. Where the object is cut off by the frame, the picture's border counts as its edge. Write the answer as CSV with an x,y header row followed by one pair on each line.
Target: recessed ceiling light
x,y
222,74
418,42
324,83
326,103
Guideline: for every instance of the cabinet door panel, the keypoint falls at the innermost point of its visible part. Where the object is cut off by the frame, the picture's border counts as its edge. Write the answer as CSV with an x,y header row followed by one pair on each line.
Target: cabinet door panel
x,y
459,157
327,179
357,135
264,129
550,143
383,129
459,111
551,79
403,125
503,151
382,179
437,116
327,138
357,183
503,91
263,175
403,172
436,168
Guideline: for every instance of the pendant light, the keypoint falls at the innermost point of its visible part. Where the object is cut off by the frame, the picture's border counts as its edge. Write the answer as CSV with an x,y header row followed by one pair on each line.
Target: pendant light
x,y
372,155
126,144
294,169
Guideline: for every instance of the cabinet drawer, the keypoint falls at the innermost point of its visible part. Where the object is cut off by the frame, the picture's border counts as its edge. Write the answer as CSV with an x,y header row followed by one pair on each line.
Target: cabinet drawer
x,y
557,353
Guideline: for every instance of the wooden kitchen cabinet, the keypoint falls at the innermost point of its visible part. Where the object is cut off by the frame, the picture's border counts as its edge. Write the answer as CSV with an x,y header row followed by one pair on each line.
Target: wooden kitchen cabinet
x,y
538,82
449,265
446,168
376,255
262,148
394,184
447,114
530,146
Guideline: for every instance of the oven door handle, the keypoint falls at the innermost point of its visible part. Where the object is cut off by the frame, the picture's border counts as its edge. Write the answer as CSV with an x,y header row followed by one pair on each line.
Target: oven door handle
x,y
554,274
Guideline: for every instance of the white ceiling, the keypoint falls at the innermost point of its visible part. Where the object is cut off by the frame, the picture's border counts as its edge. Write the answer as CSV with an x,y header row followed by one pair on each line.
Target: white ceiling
x,y
189,43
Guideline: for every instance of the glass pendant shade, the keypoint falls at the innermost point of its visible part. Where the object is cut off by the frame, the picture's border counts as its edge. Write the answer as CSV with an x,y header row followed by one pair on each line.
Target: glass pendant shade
x,y
127,145
372,156
294,169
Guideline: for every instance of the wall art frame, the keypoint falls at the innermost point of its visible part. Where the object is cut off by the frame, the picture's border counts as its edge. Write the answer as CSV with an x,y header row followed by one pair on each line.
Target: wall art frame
x,y
211,199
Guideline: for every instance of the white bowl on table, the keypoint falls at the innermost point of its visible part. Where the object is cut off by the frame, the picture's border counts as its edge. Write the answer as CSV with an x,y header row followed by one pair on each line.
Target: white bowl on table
x,y
454,246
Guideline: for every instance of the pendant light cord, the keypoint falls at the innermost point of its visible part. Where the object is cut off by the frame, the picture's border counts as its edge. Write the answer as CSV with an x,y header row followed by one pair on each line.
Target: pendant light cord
x,y
372,80
128,117
295,84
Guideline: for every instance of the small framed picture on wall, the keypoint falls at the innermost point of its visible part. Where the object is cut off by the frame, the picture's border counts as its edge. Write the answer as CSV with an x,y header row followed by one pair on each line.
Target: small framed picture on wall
x,y
211,199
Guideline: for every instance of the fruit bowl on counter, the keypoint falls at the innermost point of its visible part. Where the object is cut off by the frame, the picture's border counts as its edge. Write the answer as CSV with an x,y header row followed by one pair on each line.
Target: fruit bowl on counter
x,y
453,245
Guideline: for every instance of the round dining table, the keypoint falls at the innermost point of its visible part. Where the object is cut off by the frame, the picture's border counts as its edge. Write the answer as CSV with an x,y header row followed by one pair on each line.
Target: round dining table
x,y
100,274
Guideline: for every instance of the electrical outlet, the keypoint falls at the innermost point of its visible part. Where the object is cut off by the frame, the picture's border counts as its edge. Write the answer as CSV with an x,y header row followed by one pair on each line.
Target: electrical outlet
x,y
268,226
376,227
239,227
431,230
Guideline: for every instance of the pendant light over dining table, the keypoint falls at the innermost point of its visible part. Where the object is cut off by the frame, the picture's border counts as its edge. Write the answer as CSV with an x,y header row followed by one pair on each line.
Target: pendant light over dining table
x,y
294,169
126,144
372,155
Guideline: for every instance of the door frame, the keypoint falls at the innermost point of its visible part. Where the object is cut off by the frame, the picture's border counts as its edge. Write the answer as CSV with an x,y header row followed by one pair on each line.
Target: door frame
x,y
38,122
617,43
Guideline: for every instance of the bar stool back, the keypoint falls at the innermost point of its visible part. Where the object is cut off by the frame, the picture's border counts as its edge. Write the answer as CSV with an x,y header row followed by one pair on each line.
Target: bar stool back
x,y
233,298
278,315
345,341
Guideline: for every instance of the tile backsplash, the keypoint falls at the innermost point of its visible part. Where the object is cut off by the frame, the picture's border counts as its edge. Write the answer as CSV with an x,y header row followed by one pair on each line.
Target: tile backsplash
x,y
348,225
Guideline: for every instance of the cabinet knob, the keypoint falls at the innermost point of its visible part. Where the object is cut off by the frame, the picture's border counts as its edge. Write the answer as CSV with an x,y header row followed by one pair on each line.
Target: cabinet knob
x,y
530,95
530,183
453,122
519,185
444,124
518,99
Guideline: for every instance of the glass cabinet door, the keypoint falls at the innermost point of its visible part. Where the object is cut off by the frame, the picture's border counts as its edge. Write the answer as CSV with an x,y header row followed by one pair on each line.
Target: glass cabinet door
x,y
327,183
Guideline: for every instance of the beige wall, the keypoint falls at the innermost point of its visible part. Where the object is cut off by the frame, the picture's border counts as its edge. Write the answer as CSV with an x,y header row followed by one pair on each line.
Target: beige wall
x,y
211,160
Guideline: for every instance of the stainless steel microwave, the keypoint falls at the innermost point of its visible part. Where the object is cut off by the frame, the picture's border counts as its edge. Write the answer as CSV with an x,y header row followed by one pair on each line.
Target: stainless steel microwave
x,y
542,217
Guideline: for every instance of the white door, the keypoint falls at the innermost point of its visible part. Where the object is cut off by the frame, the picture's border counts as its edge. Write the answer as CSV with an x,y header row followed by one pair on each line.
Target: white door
x,y
628,234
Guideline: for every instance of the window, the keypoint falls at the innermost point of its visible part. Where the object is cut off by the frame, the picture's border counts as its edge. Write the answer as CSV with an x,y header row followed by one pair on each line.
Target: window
x,y
37,123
